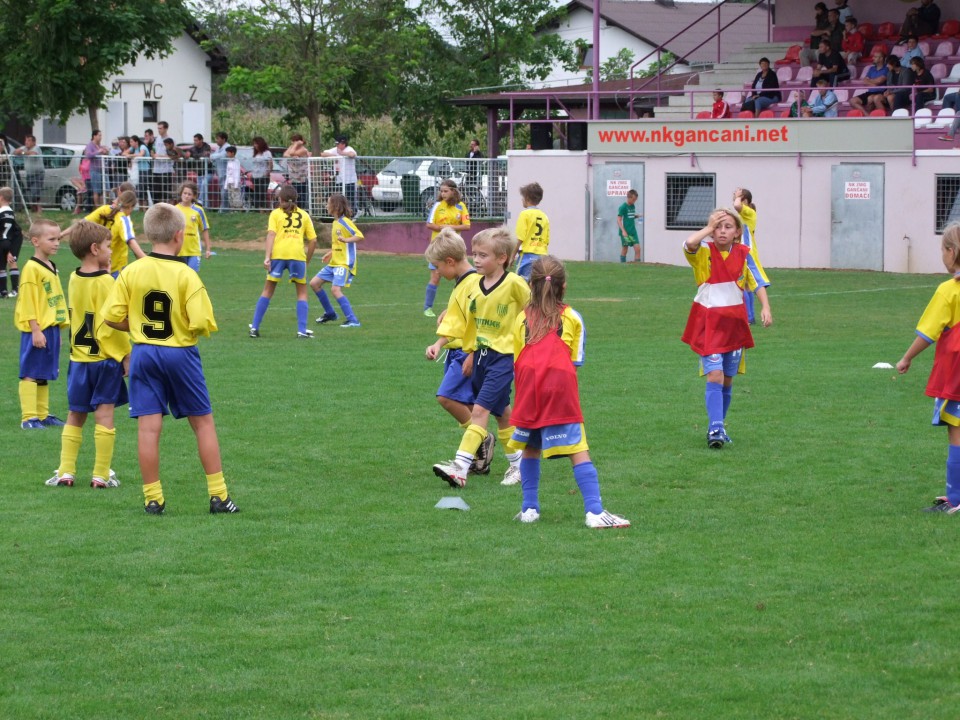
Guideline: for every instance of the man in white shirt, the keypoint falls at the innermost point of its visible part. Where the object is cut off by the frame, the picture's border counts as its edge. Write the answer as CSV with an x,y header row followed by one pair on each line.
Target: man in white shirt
x,y
346,168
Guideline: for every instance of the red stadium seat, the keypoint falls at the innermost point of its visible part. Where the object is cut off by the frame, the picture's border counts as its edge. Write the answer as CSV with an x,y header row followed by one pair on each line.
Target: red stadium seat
x,y
704,115
887,31
867,30
745,114
854,112
881,46
785,113
878,112
791,57
766,114
949,29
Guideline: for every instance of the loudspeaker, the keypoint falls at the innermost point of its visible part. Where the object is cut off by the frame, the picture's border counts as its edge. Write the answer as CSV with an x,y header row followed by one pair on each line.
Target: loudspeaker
x,y
541,136
576,136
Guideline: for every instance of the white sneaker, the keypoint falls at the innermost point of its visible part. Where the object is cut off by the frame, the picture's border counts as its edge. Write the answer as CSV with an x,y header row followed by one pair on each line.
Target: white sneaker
x,y
452,473
530,515
58,480
605,520
113,476
511,476
110,482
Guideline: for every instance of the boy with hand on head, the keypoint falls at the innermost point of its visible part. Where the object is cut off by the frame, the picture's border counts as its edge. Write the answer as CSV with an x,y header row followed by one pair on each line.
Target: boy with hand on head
x,y
11,240
163,304
98,359
40,313
489,347
627,220
533,229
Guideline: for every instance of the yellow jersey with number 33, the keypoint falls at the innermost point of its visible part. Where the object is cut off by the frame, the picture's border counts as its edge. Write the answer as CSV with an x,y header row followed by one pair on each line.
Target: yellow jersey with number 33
x,y
291,231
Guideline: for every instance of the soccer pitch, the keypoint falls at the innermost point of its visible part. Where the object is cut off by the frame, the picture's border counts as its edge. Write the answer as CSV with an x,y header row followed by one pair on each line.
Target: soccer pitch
x,y
790,575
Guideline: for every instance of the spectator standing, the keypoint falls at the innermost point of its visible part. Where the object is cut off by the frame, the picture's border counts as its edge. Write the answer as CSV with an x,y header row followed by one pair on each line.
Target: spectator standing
x,y
473,168
346,168
766,89
94,153
298,167
262,167
149,143
199,153
32,171
218,155
162,164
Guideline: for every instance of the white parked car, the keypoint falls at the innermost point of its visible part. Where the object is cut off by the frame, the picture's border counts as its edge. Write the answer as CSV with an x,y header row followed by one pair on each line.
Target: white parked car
x,y
421,175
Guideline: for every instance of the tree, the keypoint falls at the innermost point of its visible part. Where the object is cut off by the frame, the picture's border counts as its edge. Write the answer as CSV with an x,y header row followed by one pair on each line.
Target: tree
x,y
330,58
57,54
616,67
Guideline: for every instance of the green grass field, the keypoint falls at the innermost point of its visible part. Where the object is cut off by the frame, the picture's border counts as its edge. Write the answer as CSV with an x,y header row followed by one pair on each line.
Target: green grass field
x,y
791,575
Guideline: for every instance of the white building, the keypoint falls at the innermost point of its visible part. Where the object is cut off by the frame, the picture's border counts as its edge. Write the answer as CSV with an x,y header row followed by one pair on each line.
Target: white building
x,y
175,89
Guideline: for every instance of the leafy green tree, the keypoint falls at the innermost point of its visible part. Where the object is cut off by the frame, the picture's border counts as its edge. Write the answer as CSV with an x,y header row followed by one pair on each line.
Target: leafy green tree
x,y
57,54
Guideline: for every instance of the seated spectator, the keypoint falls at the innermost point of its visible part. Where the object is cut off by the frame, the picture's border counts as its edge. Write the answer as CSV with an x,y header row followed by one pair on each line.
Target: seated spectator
x,y
824,102
923,81
799,107
897,94
821,23
844,11
766,89
876,77
913,51
721,109
921,21
952,101
852,46
829,65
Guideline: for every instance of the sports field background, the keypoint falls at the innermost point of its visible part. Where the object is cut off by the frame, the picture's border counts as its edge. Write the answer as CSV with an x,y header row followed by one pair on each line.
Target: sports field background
x,y
790,575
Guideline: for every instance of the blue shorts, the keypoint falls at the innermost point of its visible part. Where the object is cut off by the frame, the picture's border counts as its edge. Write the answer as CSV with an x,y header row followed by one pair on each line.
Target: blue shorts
x,y
40,363
946,412
193,261
91,384
296,268
492,378
553,440
526,265
454,385
96,182
162,377
335,275
729,362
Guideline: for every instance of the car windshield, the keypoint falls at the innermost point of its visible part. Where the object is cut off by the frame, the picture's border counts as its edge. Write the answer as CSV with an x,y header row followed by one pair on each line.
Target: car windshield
x,y
401,166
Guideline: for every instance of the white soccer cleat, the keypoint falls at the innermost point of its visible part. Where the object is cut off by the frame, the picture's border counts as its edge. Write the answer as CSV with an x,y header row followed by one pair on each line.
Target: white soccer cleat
x,y
58,480
511,476
99,482
452,473
530,515
603,520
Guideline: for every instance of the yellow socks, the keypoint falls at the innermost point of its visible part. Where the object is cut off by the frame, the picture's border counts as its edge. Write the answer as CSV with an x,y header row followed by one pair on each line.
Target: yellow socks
x,y
472,437
28,400
103,439
43,401
70,442
217,486
153,491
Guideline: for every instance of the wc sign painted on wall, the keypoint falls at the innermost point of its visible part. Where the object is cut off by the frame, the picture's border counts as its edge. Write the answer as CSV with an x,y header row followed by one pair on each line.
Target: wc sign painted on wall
x,y
856,190
617,187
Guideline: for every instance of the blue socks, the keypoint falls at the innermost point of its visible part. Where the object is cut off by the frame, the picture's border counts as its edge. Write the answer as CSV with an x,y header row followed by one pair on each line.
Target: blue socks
x,y
953,475
262,304
325,301
344,304
530,483
727,393
302,310
430,297
589,483
714,402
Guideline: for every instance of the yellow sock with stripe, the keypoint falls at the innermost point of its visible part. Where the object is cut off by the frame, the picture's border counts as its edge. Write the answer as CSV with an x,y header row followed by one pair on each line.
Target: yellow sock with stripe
x,y
473,436
103,440
153,491
70,442
217,486
43,401
505,434
28,400
465,424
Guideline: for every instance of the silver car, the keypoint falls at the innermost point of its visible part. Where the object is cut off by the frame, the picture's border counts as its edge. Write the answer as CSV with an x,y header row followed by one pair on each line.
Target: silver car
x,y
61,177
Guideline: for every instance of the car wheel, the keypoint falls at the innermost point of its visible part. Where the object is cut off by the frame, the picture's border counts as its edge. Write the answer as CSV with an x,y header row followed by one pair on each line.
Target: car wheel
x,y
67,199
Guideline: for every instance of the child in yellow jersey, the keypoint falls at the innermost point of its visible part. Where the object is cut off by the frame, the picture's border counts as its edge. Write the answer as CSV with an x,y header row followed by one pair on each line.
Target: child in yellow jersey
x,y
533,229
291,241
342,263
195,225
98,359
489,344
164,306
116,218
451,212
743,204
40,313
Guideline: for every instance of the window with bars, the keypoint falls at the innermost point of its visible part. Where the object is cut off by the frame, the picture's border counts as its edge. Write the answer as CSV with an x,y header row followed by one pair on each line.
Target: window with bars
x,y
948,201
690,199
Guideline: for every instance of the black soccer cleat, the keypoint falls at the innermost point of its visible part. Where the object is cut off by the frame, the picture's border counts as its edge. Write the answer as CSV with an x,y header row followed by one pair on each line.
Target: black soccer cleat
x,y
222,506
154,508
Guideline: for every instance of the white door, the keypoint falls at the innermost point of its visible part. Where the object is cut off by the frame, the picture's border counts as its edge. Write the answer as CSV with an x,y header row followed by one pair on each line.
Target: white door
x,y
610,184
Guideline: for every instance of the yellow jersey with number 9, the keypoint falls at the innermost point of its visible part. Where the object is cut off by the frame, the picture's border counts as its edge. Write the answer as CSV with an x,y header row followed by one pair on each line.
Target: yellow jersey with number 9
x,y
291,230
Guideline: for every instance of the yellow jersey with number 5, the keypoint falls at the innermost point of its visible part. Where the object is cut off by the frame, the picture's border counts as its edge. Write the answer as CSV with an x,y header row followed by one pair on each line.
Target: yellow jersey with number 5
x,y
533,231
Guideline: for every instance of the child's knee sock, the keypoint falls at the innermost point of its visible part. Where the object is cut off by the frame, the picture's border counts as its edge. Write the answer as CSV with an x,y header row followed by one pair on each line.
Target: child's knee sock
x,y
473,436
430,297
504,435
70,442
43,399
302,310
325,301
953,475
714,401
262,304
347,309
589,483
28,400
217,486
103,441
153,491
530,483
14,280
3,281
727,393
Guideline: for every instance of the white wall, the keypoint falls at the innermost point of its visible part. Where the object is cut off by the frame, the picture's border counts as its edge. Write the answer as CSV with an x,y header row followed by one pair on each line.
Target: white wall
x,y
179,83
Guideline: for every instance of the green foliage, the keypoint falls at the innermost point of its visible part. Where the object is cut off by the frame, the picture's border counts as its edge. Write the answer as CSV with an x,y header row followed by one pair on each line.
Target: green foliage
x,y
790,575
616,67
56,54
657,66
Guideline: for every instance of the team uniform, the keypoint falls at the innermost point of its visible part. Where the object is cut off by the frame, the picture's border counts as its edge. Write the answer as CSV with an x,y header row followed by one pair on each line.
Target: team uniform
x,y
533,232
938,325
291,232
40,299
11,240
168,308
454,327
121,233
443,214
628,236
754,266
341,270
195,224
